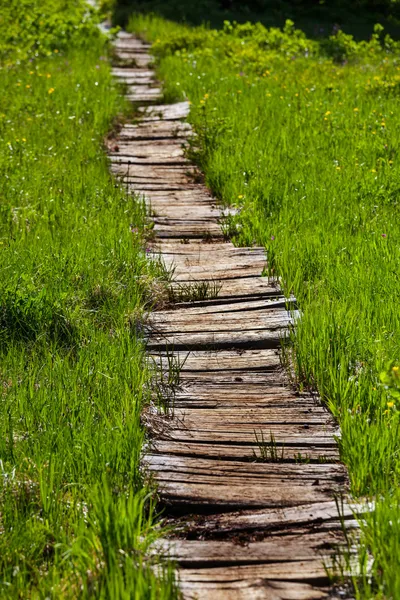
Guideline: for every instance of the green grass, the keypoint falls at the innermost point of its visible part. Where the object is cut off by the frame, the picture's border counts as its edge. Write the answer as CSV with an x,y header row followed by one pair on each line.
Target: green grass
x,y
75,517
304,138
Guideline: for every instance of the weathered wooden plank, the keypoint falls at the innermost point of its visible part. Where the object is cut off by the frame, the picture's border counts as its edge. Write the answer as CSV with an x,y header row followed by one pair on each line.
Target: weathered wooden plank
x,y
145,95
195,268
253,310
128,72
157,130
142,158
135,82
212,252
217,491
256,418
187,271
165,112
246,588
223,360
291,547
196,229
274,303
312,515
153,176
245,452
137,59
177,322
171,148
260,337
291,435
241,287
305,570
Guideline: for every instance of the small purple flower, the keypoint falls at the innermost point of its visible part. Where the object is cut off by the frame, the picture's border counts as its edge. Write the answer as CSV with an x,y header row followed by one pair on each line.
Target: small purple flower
x,y
272,237
148,250
384,235
133,229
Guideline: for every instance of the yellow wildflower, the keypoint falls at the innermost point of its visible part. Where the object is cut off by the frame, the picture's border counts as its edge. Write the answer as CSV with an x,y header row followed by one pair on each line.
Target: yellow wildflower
x,y
328,112
390,404
50,91
28,86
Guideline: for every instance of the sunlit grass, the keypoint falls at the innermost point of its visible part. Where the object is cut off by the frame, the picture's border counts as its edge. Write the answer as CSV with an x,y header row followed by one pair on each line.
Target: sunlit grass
x,y
74,282
306,145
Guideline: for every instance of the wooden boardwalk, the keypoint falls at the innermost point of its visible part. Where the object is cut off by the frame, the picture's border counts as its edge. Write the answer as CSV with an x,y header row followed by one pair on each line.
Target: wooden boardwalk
x,y
246,467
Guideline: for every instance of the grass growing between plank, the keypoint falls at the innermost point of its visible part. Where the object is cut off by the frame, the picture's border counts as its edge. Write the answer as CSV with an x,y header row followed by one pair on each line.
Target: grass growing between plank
x,y
75,520
303,137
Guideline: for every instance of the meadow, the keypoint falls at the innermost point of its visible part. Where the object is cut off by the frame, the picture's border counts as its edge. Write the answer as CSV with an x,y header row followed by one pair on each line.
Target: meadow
x,y
76,519
302,136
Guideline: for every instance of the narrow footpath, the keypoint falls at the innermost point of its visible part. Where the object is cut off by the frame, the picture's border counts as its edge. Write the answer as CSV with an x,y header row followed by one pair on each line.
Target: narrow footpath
x,y
247,468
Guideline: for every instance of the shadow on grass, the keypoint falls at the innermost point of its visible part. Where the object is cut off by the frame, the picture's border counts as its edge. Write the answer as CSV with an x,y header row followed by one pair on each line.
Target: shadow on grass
x,y
317,18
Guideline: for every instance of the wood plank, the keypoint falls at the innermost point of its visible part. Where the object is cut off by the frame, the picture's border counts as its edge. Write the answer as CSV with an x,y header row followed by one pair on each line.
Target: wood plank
x,y
161,158
256,338
235,306
204,471
194,229
291,547
224,360
257,418
313,515
292,435
165,112
244,452
196,268
241,287
174,149
305,570
157,130
252,589
178,322
129,72
137,59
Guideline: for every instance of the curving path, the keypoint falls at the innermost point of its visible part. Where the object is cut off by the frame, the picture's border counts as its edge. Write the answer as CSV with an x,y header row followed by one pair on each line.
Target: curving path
x,y
247,468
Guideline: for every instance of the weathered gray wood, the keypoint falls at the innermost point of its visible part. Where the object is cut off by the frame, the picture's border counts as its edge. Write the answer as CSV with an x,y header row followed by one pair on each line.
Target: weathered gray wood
x,y
212,553
288,571
157,130
236,322
137,59
166,148
225,359
291,435
126,73
165,112
248,588
255,338
244,452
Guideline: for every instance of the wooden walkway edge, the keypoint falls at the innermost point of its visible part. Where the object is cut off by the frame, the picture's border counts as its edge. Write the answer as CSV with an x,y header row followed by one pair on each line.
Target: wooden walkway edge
x,y
247,469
